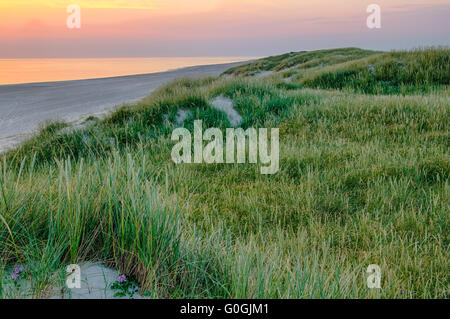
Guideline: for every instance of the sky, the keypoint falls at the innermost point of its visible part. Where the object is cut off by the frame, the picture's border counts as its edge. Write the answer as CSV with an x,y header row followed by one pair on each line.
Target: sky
x,y
146,28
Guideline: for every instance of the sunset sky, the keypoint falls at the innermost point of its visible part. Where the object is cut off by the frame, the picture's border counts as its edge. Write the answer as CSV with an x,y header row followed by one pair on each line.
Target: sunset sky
x,y
145,28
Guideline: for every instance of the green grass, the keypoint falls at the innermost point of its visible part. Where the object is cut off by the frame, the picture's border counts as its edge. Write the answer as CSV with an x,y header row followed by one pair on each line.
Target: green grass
x,y
414,72
364,179
301,60
420,71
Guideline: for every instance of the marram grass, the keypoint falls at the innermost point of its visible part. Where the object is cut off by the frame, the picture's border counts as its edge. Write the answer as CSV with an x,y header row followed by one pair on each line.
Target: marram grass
x,y
364,179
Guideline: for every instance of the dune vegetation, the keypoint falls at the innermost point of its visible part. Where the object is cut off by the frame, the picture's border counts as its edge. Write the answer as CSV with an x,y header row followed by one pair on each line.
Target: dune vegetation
x,y
363,179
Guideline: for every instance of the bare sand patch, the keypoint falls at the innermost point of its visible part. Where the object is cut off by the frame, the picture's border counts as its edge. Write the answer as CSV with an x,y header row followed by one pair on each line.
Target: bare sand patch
x,y
182,115
96,283
225,105
262,74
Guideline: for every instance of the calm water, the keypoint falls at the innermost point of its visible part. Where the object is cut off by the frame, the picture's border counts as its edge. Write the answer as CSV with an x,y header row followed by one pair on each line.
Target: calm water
x,y
14,71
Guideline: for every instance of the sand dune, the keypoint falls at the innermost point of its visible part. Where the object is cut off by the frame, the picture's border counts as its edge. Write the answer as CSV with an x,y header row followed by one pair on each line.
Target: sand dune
x,y
23,107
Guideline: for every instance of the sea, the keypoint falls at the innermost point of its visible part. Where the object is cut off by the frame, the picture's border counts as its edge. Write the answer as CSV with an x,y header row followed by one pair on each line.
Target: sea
x,y
15,71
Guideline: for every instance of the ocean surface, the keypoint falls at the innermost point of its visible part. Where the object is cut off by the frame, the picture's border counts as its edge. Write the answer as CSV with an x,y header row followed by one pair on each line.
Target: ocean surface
x,y
14,71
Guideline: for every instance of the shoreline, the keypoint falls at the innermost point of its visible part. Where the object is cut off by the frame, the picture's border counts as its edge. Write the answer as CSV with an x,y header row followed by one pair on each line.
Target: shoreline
x,y
26,106
27,71
186,68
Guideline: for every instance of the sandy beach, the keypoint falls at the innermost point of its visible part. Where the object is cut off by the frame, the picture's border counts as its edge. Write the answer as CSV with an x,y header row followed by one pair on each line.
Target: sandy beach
x,y
23,107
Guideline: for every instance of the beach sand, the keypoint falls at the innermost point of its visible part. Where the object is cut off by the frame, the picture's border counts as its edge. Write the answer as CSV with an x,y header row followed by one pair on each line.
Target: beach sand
x,y
23,107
